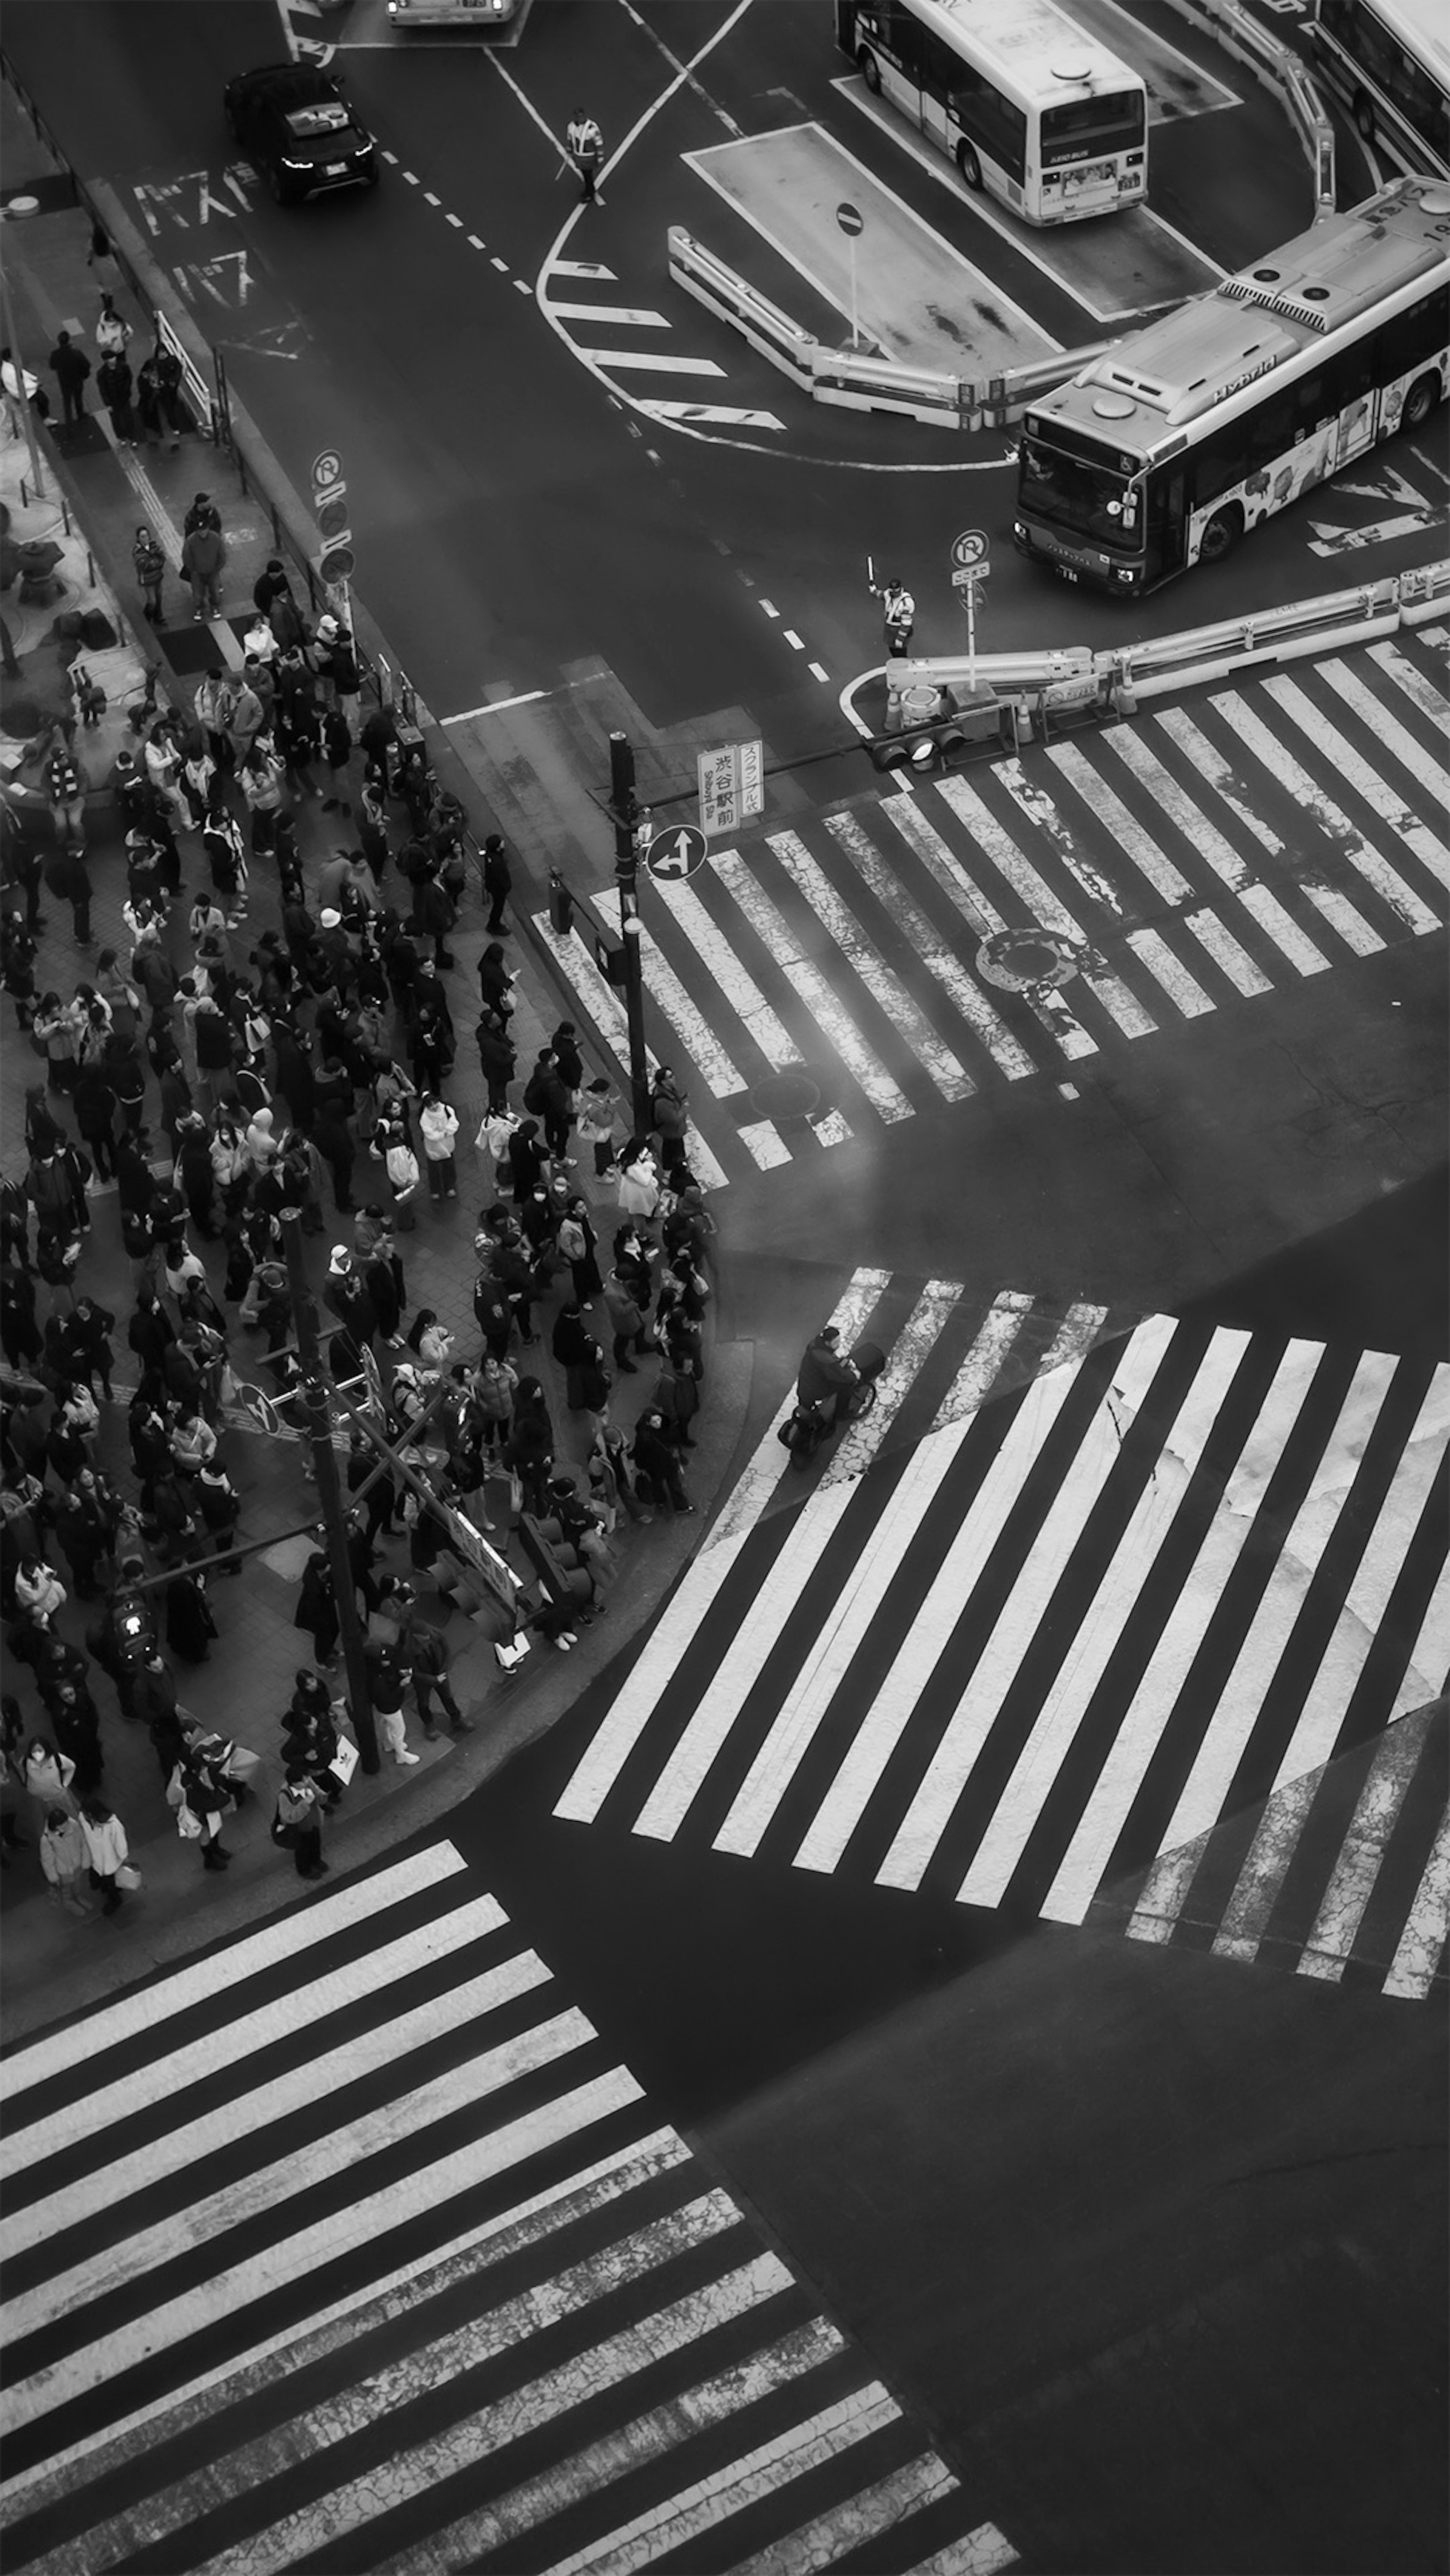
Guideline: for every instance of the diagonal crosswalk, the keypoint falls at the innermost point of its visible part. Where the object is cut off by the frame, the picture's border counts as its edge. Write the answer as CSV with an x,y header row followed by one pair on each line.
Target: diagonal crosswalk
x,y
351,2246
1195,861
1164,1575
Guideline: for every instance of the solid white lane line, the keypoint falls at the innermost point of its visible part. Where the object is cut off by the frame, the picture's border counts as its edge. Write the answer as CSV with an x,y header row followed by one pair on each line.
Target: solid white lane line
x,y
1149,1527
392,2295
635,1703
736,1673
804,1710
1032,889
1379,794
281,1939
366,1975
371,2402
663,985
1416,1962
907,1357
1219,854
267,2188
193,2142
1155,1697
873,2509
630,317
648,2437
1331,819
1017,1621
835,916
1361,1854
1329,901
941,964
1241,1696
394,2481
921,1650
668,2528
839,1031
290,2258
770,1465
581,268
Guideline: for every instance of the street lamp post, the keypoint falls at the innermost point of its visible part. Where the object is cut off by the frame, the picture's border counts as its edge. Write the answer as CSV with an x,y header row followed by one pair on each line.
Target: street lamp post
x,y
318,1431
624,808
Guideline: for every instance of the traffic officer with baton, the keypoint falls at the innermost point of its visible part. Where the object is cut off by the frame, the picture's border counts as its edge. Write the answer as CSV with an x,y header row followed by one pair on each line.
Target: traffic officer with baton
x,y
899,612
586,151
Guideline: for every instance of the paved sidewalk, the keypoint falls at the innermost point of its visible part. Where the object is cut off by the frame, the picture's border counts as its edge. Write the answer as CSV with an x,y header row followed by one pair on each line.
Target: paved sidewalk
x,y
53,1963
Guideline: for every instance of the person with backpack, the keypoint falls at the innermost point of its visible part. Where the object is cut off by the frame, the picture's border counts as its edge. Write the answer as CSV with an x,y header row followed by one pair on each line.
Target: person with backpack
x,y
71,368
547,1097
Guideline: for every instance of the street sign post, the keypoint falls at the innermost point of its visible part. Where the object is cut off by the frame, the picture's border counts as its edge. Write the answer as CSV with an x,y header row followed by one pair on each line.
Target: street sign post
x,y
677,852
335,560
853,224
971,564
732,785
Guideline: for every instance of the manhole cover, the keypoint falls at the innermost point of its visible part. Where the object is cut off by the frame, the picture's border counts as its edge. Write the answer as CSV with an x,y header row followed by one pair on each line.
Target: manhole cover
x,y
788,1094
1017,961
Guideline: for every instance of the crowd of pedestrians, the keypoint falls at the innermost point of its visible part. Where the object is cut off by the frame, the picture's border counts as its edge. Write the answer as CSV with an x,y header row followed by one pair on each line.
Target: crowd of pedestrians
x,y
274,1033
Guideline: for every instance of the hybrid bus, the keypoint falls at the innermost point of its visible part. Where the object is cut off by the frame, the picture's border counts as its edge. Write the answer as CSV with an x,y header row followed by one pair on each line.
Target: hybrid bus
x,y
1161,453
1389,61
1030,108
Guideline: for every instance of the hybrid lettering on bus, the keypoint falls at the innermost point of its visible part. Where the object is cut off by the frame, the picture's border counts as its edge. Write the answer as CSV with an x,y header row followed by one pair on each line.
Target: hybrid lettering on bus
x,y
1389,61
1030,108
1164,451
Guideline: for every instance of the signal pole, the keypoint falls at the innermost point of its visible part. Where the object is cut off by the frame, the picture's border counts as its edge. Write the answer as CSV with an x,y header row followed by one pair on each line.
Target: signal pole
x,y
626,812
318,1421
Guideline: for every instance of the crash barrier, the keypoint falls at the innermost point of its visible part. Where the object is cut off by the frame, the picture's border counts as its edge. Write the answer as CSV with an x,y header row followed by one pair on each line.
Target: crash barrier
x,y
854,379
1277,68
944,708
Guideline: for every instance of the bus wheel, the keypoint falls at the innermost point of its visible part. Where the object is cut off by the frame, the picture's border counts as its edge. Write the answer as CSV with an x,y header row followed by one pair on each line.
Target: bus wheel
x,y
1420,401
1364,117
870,70
969,166
1220,536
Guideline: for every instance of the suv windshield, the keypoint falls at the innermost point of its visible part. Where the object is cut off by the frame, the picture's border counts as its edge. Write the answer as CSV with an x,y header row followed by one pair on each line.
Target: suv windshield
x,y
1090,499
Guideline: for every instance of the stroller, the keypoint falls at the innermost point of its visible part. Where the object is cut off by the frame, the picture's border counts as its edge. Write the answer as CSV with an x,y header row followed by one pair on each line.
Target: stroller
x,y
809,1426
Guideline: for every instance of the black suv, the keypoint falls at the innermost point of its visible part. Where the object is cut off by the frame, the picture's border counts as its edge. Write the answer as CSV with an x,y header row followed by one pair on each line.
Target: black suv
x,y
295,124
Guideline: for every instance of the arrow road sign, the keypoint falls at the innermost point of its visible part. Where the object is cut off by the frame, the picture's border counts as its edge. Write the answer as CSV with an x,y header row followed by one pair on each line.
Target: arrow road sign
x,y
677,852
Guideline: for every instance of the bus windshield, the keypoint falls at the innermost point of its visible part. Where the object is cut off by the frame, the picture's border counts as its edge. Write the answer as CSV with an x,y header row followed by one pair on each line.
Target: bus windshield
x,y
1095,500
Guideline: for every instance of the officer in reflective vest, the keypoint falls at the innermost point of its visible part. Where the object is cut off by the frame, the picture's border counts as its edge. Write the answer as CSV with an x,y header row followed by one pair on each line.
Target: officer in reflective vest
x,y
899,610
586,151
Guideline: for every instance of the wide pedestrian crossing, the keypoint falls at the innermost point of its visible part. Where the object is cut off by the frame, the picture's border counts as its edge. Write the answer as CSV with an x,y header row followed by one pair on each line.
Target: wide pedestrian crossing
x,y
1188,861
1061,1638
351,2246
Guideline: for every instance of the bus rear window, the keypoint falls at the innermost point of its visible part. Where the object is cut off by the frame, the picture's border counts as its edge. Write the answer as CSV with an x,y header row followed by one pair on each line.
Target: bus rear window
x,y
1117,116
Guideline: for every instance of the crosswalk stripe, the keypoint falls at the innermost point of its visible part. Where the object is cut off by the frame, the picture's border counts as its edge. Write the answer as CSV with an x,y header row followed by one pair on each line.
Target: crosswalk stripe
x,y
784,944
1427,1925
663,984
633,1706
1357,773
951,1078
225,2045
1328,900
1414,684
742,993
607,2366
981,917
1000,1328
767,1469
1121,1005
1010,1057
1361,1854
608,1014
41,2059
1351,843
909,1352
1219,854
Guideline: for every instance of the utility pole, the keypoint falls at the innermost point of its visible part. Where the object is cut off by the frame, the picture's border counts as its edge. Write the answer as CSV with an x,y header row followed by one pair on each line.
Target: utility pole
x,y
22,399
625,810
317,1422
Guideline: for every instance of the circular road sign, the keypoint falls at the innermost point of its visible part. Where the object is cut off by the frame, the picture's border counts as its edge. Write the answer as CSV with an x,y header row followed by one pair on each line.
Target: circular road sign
x,y
850,218
676,852
970,548
258,1407
331,518
337,564
326,468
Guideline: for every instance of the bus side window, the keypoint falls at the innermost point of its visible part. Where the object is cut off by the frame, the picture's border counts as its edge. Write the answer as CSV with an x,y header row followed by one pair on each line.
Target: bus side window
x,y
905,36
1411,337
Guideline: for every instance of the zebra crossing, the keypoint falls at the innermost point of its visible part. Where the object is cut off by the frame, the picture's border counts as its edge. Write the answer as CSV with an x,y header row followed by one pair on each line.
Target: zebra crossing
x,y
1167,1573
349,2245
1192,860
578,297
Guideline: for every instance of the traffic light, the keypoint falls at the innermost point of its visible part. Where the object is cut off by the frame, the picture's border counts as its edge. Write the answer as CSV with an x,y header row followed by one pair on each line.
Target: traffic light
x,y
623,806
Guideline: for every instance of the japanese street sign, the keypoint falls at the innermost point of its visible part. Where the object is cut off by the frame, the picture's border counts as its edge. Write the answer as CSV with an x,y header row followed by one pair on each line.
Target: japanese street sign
x,y
732,785
258,1407
971,547
475,1551
676,852
967,576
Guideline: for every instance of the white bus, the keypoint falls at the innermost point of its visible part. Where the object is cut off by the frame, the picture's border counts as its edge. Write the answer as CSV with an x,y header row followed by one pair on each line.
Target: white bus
x,y
1162,452
1030,108
1389,60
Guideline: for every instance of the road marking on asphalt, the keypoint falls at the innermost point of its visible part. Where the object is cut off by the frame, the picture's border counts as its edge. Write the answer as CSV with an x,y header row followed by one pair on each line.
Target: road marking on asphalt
x,y
933,952
784,944
1335,907
630,316
1188,818
580,268
725,413
658,361
1313,800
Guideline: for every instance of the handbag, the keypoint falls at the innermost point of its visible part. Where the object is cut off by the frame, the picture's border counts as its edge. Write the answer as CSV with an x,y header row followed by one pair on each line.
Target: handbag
x,y
283,1833
345,1760
188,1825
129,1877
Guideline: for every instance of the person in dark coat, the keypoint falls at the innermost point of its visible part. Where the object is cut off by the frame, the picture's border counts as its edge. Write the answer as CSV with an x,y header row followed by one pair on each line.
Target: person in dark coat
x,y
333,1138
295,1073
19,1334
190,1626
497,1059
527,1157
577,1352
346,1296
656,1462
497,883
316,1610
94,1103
